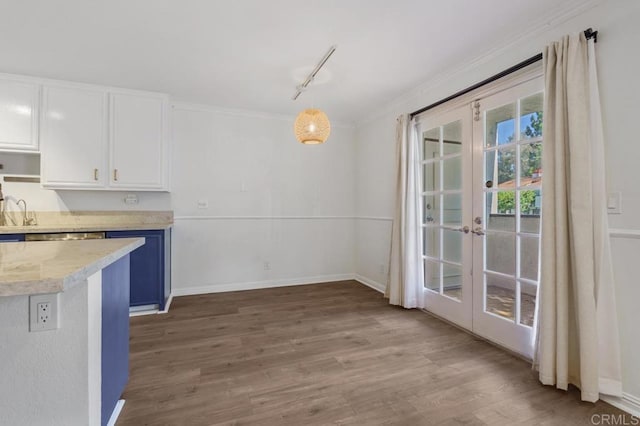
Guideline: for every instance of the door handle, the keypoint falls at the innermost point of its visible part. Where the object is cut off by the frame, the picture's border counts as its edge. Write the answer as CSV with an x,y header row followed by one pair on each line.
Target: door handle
x,y
464,229
95,174
478,230
115,174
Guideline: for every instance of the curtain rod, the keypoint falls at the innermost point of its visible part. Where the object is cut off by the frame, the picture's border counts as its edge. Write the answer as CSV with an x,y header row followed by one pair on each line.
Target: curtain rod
x,y
588,33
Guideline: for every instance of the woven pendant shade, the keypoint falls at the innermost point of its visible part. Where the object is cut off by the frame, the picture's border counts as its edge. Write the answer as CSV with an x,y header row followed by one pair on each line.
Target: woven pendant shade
x,y
312,127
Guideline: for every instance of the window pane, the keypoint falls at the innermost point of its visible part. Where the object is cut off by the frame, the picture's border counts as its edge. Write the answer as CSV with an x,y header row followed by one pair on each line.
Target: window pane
x,y
431,176
531,116
452,138
530,202
452,281
500,296
432,275
500,125
500,211
500,253
506,168
529,257
500,168
452,209
531,164
452,173
527,303
530,208
431,242
452,246
431,147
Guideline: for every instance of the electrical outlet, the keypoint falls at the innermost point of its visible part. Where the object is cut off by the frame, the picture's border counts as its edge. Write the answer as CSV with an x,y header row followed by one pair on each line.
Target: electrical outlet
x,y
131,199
381,269
267,266
203,203
43,312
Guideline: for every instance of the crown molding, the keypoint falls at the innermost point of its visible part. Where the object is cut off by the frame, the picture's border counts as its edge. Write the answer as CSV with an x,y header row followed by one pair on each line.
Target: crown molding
x,y
568,11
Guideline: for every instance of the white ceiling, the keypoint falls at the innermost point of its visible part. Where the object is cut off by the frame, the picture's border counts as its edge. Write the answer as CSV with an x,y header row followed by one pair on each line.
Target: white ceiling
x,y
244,53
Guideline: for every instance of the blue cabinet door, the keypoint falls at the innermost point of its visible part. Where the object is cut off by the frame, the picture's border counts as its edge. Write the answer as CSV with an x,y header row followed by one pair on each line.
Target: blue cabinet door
x,y
11,238
115,334
147,267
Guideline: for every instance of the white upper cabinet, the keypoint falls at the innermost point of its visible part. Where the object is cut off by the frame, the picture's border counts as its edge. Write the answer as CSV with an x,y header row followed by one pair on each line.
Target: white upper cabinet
x,y
18,115
101,138
138,145
74,138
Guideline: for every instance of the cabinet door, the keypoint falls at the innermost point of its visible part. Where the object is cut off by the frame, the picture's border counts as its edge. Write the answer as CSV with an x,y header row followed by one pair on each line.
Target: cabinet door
x,y
138,141
74,138
18,116
147,267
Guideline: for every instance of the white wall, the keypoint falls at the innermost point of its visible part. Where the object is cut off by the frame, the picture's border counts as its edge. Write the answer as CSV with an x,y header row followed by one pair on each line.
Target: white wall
x,y
270,199
618,61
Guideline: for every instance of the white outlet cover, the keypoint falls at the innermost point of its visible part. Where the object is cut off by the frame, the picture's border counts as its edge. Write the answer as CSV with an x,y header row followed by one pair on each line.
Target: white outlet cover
x,y
203,203
54,313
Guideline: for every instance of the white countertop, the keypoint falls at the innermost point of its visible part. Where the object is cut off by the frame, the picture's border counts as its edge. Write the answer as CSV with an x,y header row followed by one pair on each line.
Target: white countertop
x,y
37,229
86,221
54,266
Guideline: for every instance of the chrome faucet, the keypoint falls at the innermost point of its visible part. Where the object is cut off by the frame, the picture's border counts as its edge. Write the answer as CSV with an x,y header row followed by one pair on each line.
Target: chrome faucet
x,y
26,221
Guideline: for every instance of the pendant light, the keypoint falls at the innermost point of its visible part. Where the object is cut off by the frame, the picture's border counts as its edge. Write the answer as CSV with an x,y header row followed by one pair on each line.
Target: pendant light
x,y
312,126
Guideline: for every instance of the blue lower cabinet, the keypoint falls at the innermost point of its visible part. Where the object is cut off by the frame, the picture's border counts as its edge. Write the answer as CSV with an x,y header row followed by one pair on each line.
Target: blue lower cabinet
x,y
115,334
147,267
11,238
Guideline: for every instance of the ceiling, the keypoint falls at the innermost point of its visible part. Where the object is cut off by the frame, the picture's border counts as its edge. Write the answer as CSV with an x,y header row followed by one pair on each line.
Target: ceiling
x,y
246,53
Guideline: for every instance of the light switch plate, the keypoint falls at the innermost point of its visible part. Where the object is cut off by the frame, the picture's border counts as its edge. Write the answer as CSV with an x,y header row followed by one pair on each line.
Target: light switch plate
x,y
203,203
614,203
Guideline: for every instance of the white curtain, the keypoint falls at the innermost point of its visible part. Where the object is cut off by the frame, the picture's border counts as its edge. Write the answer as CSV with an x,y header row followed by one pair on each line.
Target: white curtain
x,y
577,340
406,274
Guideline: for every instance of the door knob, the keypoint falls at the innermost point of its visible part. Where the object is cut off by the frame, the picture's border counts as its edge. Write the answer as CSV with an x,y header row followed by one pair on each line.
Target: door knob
x,y
478,230
464,229
478,220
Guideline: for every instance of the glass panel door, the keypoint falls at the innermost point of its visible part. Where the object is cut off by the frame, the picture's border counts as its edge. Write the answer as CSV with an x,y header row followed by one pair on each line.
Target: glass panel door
x,y
507,194
446,197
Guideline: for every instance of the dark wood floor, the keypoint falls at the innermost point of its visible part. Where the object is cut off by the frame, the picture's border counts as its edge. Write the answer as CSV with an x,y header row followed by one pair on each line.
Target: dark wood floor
x,y
333,353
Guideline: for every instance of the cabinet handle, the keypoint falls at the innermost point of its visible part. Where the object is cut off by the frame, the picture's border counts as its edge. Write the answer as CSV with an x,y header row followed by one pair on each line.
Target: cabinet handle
x,y
95,174
115,174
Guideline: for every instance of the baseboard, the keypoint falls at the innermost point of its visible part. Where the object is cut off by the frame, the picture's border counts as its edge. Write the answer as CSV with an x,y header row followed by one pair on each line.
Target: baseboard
x,y
255,285
116,412
143,313
168,304
628,403
370,283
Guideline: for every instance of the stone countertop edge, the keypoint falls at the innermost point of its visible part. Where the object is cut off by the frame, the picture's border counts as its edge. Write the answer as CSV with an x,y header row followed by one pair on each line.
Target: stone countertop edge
x,y
36,229
60,284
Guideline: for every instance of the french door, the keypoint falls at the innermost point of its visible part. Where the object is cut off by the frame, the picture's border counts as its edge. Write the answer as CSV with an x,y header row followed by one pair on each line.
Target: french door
x,y
481,197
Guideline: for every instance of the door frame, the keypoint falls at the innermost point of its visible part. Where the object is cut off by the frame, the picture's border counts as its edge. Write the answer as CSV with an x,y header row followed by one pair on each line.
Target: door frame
x,y
441,306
